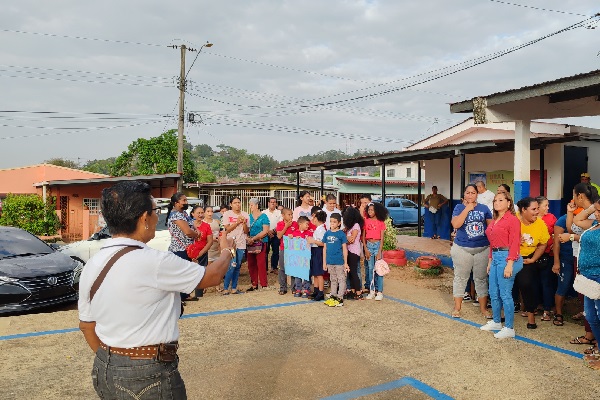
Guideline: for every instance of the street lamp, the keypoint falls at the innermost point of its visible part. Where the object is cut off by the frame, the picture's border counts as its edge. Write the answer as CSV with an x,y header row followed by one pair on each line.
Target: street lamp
x,y
182,85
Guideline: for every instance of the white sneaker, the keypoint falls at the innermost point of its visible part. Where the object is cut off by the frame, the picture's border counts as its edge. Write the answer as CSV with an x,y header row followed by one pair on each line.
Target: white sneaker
x,y
492,326
379,296
371,296
505,333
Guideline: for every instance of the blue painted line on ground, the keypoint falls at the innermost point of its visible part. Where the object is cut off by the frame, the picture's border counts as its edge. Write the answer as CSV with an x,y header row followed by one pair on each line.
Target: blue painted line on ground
x,y
186,316
467,322
384,387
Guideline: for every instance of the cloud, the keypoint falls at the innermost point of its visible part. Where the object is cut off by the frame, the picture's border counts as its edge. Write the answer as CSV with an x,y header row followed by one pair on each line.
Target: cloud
x,y
268,57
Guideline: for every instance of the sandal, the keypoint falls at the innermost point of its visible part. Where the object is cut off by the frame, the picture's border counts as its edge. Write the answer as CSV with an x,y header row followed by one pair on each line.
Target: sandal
x,y
591,350
282,292
546,316
558,320
225,292
578,317
593,364
191,298
252,288
488,316
455,313
236,291
582,340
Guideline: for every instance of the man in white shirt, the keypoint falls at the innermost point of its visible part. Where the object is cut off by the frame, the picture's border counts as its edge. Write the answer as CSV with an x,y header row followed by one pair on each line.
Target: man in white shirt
x,y
274,215
484,196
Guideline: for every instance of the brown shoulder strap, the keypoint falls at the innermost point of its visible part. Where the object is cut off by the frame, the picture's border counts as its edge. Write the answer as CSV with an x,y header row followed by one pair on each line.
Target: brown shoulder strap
x,y
107,268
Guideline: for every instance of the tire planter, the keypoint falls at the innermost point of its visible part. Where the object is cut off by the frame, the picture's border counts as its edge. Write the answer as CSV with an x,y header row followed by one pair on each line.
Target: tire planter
x,y
428,262
398,253
399,261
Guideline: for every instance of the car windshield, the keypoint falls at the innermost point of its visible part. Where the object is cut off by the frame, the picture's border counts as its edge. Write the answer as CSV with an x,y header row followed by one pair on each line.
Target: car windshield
x,y
160,226
408,204
17,243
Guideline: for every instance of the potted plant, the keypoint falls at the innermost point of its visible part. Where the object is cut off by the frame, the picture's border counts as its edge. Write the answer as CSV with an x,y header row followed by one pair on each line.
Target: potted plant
x,y
391,254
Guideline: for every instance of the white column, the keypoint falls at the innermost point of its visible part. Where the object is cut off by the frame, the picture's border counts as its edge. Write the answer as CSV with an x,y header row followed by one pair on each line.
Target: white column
x,y
522,159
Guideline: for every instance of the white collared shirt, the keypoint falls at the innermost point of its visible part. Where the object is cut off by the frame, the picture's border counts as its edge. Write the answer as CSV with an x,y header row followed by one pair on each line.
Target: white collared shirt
x,y
138,303
274,217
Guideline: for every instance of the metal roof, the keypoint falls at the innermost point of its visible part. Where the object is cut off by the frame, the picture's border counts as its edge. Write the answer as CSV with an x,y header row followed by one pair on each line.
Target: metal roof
x,y
435,153
108,179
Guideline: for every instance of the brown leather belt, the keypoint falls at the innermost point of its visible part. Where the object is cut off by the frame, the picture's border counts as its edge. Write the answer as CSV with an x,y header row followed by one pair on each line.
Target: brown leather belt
x,y
160,352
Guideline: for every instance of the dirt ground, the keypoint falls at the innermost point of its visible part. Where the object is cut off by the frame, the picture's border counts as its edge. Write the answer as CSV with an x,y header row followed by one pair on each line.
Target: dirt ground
x,y
285,347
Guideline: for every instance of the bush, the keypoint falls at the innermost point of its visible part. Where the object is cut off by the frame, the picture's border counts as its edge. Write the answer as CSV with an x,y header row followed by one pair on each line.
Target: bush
x,y
389,237
28,212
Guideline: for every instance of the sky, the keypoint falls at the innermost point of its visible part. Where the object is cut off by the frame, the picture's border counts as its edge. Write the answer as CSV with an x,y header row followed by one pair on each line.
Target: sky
x,y
83,80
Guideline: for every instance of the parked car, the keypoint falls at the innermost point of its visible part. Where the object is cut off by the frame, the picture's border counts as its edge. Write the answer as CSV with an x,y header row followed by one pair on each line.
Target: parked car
x,y
83,250
403,211
33,274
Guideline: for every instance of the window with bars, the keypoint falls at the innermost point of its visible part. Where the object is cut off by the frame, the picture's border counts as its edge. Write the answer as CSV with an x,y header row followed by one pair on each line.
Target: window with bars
x,y
409,172
390,173
93,205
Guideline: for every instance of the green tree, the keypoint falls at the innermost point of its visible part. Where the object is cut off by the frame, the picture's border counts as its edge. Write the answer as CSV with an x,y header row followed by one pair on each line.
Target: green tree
x,y
28,212
62,162
99,166
157,155
205,175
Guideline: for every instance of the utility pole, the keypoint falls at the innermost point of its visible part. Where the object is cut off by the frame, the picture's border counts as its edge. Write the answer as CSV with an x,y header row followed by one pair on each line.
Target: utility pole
x,y
182,84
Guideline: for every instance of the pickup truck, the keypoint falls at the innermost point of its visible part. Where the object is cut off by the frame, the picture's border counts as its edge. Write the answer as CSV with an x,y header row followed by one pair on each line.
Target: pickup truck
x,y
403,211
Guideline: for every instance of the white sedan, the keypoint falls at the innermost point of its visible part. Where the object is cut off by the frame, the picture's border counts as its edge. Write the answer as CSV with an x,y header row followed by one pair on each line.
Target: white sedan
x,y
83,250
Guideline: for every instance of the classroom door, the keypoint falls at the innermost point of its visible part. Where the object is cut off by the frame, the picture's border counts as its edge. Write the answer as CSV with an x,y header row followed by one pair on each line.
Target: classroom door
x,y
575,162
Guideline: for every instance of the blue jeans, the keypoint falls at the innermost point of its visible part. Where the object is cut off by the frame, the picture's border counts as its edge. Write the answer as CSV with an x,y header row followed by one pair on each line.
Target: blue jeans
x,y
437,222
233,273
592,310
119,377
501,287
565,276
375,281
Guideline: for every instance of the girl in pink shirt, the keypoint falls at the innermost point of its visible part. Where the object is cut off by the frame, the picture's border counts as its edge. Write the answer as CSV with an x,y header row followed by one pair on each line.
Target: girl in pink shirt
x,y
373,247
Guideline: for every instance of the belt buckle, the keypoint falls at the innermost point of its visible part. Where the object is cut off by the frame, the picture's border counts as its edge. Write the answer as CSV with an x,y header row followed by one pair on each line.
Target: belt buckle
x,y
167,352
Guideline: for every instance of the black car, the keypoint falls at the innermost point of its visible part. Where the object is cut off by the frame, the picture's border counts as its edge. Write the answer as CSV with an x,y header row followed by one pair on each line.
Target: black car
x,y
33,274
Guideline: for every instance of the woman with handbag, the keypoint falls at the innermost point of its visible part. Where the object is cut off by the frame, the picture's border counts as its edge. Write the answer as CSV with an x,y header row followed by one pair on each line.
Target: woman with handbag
x,y
236,223
534,239
129,300
256,246
589,282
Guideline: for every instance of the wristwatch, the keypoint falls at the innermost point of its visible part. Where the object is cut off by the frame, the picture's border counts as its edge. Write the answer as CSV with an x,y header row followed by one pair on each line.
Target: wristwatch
x,y
571,237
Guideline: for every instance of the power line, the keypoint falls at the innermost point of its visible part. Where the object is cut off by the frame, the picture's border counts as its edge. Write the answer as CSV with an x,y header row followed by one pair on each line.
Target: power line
x,y
539,8
82,38
84,81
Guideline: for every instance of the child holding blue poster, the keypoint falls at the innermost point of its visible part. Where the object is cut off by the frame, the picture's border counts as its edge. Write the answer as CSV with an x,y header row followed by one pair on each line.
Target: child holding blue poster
x,y
335,260
301,286
316,254
285,227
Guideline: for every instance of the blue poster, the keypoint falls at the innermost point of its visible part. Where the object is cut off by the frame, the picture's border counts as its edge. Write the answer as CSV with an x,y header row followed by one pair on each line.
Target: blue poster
x,y
296,256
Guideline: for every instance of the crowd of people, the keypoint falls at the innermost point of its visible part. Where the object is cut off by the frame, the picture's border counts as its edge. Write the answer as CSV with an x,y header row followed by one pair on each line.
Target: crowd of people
x,y
524,259
338,241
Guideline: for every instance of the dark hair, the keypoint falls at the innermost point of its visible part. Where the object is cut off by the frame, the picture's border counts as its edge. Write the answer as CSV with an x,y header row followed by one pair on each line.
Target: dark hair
x,y
587,190
381,213
330,197
336,216
274,198
525,202
539,199
434,187
321,216
365,196
233,198
352,216
174,199
303,218
505,186
223,206
196,207
301,195
123,204
315,210
470,185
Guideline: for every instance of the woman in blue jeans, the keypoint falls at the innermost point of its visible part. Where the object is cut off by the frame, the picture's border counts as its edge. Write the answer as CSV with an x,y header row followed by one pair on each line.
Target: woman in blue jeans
x,y
505,262
589,267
